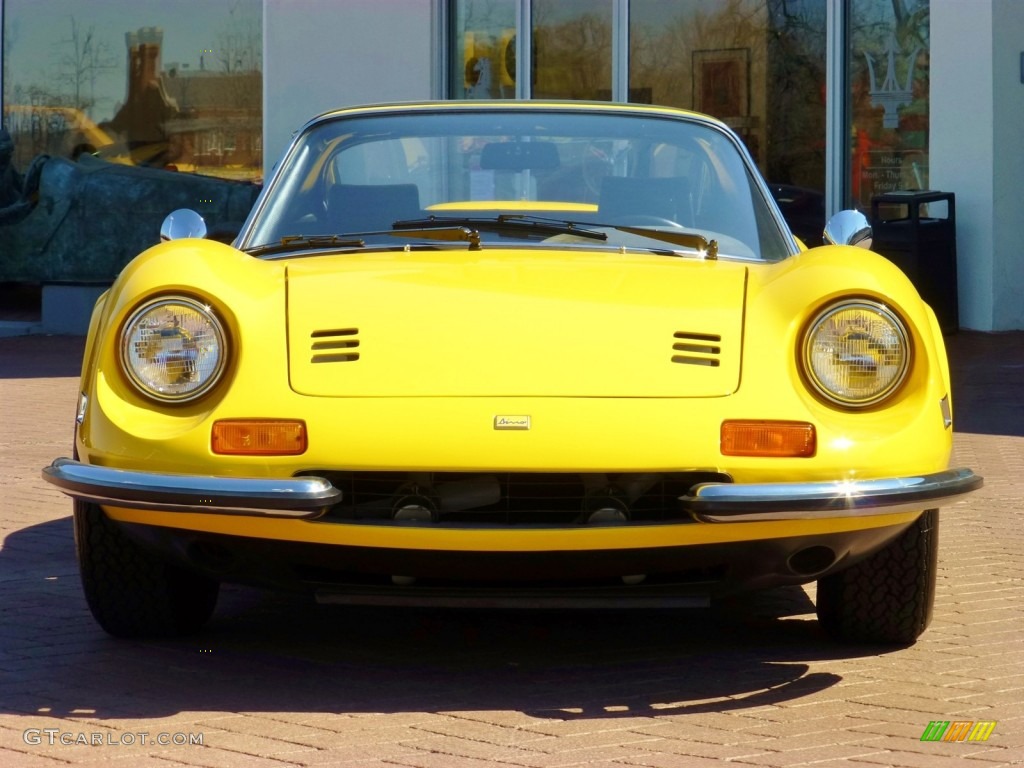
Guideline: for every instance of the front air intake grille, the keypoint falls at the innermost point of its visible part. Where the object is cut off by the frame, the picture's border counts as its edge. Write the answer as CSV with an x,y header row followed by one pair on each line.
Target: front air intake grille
x,y
513,498
335,346
696,348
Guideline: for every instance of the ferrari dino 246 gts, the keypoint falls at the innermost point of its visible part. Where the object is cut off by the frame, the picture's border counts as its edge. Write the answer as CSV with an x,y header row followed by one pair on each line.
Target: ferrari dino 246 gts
x,y
513,352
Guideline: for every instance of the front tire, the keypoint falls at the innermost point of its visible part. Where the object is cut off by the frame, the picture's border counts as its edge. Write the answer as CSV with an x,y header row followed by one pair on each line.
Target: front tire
x,y
888,597
131,591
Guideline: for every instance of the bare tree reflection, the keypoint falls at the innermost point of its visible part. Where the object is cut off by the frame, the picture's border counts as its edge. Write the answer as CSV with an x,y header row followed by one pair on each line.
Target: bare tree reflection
x,y
572,58
83,58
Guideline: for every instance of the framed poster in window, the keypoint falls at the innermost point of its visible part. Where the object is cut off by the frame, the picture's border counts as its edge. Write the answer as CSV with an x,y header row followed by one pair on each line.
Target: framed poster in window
x,y
721,82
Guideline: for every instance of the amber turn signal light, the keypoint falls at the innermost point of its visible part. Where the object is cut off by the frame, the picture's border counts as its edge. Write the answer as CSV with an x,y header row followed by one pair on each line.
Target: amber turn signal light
x,y
794,439
258,437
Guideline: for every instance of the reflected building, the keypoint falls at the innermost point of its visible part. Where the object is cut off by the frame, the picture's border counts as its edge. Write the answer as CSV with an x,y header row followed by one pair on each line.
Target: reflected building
x,y
147,109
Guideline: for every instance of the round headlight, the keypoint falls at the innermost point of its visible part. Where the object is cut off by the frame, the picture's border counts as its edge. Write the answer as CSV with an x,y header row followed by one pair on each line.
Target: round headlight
x,y
856,354
173,349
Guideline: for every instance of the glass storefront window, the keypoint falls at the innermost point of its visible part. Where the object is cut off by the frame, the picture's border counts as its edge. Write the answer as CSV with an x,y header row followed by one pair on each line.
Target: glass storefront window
x,y
140,82
572,42
702,55
484,43
888,69
758,65
571,49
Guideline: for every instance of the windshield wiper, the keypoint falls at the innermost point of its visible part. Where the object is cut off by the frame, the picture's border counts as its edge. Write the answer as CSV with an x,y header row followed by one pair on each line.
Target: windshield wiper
x,y
461,227
446,232
292,243
466,229
707,248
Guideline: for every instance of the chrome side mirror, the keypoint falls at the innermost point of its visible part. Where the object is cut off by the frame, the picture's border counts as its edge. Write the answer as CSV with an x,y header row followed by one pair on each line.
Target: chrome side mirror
x,y
849,228
182,223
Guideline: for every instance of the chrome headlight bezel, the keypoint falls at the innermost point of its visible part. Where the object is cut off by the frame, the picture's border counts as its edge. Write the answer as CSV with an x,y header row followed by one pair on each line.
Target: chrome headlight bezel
x,y
195,350
882,351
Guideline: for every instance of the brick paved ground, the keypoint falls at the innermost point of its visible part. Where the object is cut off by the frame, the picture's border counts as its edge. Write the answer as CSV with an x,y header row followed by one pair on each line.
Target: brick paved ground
x,y
278,682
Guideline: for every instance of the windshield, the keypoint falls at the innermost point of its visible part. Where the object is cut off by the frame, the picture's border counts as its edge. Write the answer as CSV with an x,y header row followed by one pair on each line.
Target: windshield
x,y
359,175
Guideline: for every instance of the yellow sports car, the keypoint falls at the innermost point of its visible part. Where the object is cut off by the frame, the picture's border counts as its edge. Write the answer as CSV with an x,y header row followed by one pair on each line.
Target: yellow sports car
x,y
545,354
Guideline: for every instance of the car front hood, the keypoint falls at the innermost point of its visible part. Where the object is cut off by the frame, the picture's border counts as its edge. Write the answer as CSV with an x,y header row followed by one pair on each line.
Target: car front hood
x,y
514,323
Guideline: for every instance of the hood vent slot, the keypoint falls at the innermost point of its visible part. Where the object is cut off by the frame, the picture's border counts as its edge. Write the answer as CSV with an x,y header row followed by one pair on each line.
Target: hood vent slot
x,y
696,349
335,346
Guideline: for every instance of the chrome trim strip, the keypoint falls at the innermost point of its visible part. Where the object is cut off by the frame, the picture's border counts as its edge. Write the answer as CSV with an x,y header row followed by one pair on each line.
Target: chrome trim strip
x,y
729,503
293,497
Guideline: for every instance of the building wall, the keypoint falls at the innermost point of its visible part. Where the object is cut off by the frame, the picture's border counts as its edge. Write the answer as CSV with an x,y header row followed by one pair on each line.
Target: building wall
x,y
1008,165
324,54
977,108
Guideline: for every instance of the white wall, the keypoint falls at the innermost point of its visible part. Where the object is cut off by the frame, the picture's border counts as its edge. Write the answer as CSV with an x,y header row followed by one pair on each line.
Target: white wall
x,y
977,151
324,54
1008,180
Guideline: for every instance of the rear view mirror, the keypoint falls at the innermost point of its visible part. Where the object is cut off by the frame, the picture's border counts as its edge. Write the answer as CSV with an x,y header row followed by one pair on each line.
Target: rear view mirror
x,y
519,156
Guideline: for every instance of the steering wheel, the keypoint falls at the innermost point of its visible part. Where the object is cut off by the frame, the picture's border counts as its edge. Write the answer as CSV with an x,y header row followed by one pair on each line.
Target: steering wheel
x,y
596,164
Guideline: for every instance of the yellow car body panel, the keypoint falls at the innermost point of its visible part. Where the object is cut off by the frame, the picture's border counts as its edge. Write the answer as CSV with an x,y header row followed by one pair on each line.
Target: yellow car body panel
x,y
564,540
527,321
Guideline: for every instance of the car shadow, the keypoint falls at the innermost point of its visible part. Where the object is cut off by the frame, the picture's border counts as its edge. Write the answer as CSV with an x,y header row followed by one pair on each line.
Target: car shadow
x,y
987,372
36,357
275,652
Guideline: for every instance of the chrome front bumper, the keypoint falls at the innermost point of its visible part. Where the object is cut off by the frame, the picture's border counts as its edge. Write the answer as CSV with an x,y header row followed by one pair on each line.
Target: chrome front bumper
x,y
291,497
727,503
310,497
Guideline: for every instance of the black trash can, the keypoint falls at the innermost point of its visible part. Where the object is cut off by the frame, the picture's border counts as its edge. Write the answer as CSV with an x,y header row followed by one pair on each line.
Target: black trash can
x,y
916,230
